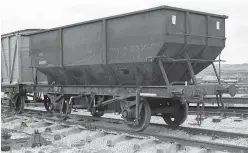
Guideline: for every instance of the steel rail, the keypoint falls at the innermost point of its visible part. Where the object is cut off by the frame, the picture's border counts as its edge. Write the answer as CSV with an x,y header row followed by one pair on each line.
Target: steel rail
x,y
227,114
233,112
230,109
227,100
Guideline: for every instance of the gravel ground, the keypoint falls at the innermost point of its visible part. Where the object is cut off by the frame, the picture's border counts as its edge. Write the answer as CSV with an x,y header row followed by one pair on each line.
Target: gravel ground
x,y
74,142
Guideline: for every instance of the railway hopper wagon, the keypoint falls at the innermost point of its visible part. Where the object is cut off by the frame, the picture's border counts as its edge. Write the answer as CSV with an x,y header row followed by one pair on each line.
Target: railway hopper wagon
x,y
140,64
16,70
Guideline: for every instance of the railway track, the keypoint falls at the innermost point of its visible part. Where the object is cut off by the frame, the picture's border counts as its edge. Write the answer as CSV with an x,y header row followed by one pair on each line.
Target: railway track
x,y
241,99
214,111
116,125
242,88
119,121
208,111
242,113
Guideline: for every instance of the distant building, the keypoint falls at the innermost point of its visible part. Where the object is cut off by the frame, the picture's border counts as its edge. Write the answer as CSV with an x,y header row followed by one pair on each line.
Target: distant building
x,y
213,79
230,81
209,79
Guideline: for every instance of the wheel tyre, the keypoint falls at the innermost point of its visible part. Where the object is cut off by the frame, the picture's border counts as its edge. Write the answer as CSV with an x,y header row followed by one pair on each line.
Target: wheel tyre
x,y
97,114
69,108
66,108
20,102
47,103
145,115
179,117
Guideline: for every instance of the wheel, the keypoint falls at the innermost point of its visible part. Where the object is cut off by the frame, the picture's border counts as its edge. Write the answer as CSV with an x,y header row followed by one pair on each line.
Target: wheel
x,y
47,103
145,117
97,113
177,118
69,108
66,108
20,102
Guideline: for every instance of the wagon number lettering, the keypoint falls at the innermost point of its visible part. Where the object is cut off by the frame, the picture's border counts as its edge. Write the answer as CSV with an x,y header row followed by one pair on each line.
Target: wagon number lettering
x,y
42,62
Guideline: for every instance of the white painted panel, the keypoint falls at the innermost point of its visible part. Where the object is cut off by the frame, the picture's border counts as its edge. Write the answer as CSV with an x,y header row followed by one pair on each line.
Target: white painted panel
x,y
4,56
22,71
3,69
14,58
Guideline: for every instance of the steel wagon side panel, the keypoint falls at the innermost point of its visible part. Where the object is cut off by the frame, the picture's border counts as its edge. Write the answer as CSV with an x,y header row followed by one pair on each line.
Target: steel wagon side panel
x,y
45,49
217,29
99,51
82,45
26,68
135,37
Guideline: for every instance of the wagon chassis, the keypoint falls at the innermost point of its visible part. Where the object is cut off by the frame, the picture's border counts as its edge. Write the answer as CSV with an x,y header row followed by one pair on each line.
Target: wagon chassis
x,y
137,103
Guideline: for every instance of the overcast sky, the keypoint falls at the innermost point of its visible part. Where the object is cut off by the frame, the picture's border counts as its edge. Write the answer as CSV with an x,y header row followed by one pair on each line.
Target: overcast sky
x,y
24,14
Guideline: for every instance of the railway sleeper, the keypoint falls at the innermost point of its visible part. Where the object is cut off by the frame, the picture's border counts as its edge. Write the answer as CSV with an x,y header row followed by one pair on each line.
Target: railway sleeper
x,y
143,144
68,131
94,136
205,150
9,119
38,124
53,127
172,148
117,139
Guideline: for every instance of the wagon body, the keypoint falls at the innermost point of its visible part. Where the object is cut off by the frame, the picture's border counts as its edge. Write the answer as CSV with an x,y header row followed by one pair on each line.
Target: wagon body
x,y
114,50
132,63
15,59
